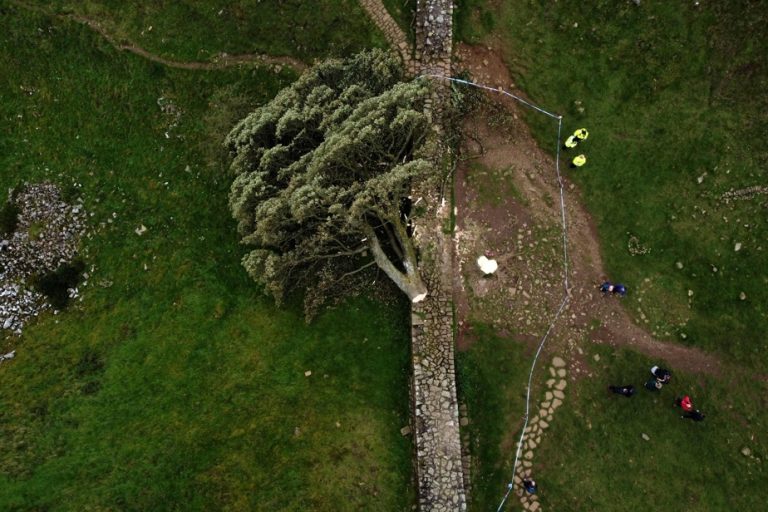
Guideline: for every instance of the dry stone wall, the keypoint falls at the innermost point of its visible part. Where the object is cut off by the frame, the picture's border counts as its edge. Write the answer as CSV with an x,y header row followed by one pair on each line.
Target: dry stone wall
x,y
439,471
436,413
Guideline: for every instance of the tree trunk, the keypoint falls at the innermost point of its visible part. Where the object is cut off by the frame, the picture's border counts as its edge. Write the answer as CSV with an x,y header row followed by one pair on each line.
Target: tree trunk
x,y
410,281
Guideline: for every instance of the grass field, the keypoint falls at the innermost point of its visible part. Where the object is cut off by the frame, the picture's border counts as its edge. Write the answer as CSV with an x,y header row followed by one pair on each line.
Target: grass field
x,y
674,98
174,385
594,457
404,13
200,29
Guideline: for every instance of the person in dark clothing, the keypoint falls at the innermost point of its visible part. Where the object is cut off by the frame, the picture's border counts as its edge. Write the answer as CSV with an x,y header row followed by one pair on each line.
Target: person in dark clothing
x,y
529,485
695,415
615,289
606,287
662,375
653,384
626,391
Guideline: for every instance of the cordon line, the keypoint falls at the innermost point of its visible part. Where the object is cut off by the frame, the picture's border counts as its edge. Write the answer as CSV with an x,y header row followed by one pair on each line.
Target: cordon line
x,y
566,297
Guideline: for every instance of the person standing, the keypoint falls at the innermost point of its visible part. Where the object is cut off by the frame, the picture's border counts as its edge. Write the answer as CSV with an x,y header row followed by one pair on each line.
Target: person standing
x,y
579,135
661,374
626,391
578,160
685,403
529,484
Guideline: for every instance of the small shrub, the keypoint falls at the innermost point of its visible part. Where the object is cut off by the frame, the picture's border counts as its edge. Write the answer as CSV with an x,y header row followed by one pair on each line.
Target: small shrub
x,y
54,285
35,230
9,218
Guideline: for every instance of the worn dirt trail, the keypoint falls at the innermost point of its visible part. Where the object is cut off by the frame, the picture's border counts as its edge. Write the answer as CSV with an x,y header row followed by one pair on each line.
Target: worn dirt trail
x,y
220,61
521,229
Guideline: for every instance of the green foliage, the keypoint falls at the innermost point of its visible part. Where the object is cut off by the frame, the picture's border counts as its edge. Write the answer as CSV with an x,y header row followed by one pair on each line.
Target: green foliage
x,y
54,285
404,13
323,169
173,385
473,20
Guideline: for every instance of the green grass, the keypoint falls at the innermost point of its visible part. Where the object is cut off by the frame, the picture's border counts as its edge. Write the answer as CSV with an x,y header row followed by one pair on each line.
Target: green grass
x,y
200,29
494,187
491,378
670,93
472,20
404,13
599,460
593,456
174,384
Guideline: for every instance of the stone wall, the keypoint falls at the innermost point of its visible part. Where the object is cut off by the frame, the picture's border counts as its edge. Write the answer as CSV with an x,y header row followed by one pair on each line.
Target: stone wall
x,y
435,408
439,470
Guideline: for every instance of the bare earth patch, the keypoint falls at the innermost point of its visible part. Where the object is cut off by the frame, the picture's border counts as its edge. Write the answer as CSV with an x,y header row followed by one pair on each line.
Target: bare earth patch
x,y
508,208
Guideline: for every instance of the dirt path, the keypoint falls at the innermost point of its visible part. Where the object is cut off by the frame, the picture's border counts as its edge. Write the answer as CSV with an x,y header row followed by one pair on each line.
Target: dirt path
x,y
220,61
518,224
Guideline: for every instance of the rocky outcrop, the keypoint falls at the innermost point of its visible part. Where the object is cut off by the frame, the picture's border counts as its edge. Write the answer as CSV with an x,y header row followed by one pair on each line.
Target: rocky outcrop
x,y
46,236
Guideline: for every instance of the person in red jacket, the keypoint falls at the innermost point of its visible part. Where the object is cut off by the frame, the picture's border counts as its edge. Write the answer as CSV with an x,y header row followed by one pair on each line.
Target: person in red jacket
x,y
685,403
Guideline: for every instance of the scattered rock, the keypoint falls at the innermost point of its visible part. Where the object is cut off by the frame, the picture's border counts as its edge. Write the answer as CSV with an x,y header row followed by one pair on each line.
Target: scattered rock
x,y
737,247
140,230
57,228
743,296
746,452
645,436
308,373
405,431
596,357
558,362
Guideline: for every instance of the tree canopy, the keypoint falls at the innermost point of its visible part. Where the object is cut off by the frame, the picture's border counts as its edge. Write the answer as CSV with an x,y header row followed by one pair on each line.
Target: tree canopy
x,y
322,178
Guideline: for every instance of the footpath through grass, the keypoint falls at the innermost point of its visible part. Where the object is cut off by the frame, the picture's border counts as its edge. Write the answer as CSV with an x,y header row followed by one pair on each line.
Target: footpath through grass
x,y
174,385
201,29
674,98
